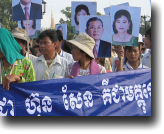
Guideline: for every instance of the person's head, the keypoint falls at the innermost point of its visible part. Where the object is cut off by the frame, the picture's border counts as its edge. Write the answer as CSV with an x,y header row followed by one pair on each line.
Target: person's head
x,y
25,2
148,39
60,28
48,41
94,28
33,51
117,47
100,61
122,22
143,50
66,48
132,54
113,49
60,39
82,47
9,47
31,23
80,10
20,36
37,49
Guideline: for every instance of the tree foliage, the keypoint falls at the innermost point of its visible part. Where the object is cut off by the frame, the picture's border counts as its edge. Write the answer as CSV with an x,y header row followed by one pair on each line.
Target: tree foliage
x,y
145,24
67,13
6,15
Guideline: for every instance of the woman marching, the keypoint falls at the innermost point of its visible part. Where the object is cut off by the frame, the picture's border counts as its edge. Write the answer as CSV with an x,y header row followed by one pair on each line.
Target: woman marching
x,y
82,52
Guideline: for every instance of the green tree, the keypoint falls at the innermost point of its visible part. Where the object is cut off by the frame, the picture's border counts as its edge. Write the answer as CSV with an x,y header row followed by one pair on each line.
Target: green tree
x,y
6,15
67,13
145,24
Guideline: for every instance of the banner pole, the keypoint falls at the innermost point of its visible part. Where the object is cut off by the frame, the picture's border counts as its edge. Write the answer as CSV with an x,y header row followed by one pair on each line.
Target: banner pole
x,y
28,49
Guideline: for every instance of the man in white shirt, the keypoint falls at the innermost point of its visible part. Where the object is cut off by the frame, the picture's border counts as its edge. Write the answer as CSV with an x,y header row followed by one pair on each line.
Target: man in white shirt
x,y
26,10
49,65
58,49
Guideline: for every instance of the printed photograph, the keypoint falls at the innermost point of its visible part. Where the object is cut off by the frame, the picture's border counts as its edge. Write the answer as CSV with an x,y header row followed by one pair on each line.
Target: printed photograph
x,y
98,27
26,9
81,9
63,28
34,27
107,9
125,25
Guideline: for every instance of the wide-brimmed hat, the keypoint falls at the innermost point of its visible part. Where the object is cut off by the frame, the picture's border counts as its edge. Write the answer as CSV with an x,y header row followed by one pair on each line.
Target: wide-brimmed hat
x,y
19,33
83,42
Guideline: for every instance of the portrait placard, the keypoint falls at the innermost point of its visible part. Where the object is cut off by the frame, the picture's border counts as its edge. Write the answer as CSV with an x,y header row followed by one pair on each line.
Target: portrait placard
x,y
34,27
107,9
63,28
81,8
125,25
26,10
98,27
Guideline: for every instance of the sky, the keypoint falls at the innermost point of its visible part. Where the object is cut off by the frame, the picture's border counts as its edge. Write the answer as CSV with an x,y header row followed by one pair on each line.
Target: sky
x,y
57,5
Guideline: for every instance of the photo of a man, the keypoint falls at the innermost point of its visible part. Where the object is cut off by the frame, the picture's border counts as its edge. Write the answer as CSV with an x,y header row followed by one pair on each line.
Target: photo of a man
x,y
95,29
27,10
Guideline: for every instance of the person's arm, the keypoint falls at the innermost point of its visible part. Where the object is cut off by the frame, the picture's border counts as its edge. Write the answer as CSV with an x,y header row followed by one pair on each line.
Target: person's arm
x,y
10,78
121,59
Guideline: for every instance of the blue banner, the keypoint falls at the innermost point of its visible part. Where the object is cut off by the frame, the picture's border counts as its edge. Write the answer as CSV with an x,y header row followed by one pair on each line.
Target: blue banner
x,y
126,93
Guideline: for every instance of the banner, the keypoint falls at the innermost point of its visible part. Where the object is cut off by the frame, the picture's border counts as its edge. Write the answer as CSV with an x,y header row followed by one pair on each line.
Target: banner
x,y
126,93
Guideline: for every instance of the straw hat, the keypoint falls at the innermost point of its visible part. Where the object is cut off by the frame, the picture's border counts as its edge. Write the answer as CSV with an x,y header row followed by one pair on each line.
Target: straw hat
x,y
19,33
83,42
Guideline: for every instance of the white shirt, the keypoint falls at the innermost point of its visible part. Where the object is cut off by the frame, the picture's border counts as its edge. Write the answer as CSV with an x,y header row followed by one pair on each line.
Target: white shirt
x,y
31,57
146,58
29,7
67,56
57,70
127,66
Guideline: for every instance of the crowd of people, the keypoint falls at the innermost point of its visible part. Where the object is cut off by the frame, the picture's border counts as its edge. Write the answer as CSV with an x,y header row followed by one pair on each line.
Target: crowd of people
x,y
52,57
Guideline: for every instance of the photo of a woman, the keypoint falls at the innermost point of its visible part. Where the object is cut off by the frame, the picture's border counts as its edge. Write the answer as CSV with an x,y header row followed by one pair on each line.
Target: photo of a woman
x,y
122,27
80,10
33,32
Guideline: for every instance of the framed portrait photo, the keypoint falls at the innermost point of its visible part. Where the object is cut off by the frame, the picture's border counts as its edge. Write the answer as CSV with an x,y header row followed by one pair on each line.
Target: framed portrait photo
x,y
63,29
81,9
34,27
26,9
125,25
98,27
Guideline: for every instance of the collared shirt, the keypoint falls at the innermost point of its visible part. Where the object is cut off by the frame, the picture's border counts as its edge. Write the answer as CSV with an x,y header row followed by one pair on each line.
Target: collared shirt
x,y
146,59
23,68
31,57
67,56
29,7
127,66
57,70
